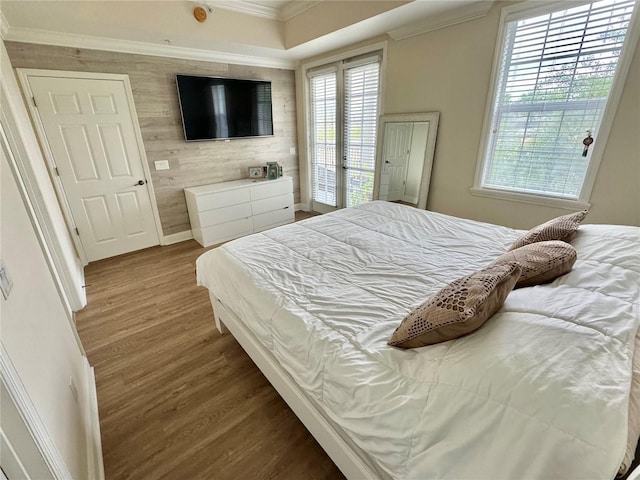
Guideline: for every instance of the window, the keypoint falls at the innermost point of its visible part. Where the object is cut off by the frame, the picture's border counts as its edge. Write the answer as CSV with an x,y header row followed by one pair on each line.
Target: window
x,y
556,73
343,128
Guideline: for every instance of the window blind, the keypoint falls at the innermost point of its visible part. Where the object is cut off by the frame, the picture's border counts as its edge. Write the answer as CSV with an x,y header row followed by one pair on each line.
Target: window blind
x,y
555,77
323,136
263,110
360,129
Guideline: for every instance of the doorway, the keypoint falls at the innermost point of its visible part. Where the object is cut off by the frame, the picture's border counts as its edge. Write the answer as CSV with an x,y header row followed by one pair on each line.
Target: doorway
x,y
90,136
404,147
345,98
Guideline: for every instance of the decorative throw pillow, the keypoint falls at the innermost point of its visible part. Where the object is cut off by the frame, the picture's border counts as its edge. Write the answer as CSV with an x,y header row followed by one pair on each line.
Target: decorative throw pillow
x,y
560,228
461,307
541,262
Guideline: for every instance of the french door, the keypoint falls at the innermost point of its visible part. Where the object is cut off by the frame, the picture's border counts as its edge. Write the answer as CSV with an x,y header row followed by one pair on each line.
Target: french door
x,y
344,121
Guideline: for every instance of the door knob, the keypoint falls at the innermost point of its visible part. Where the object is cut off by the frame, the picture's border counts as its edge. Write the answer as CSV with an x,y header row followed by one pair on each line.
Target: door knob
x,y
140,182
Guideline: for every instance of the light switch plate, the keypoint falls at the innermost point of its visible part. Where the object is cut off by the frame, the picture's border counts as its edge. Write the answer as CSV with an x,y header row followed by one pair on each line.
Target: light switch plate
x,y
161,164
292,150
5,281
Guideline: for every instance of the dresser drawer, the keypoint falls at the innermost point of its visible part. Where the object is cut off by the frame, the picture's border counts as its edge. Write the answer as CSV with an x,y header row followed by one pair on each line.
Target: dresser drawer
x,y
223,215
272,203
271,188
226,231
222,199
272,219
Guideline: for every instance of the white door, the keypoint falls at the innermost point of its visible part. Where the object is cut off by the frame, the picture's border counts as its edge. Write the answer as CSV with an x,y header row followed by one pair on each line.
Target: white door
x,y
343,129
395,157
90,132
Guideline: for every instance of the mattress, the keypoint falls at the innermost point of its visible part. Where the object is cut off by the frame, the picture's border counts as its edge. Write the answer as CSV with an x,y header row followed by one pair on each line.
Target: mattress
x,y
540,391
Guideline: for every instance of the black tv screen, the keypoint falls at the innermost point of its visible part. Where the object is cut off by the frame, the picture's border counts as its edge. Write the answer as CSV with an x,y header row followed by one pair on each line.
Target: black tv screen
x,y
221,108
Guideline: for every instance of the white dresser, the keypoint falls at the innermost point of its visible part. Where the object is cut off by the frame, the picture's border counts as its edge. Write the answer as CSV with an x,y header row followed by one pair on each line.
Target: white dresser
x,y
223,211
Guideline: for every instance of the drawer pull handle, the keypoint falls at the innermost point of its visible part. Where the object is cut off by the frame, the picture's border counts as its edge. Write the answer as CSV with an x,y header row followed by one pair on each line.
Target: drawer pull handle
x,y
285,207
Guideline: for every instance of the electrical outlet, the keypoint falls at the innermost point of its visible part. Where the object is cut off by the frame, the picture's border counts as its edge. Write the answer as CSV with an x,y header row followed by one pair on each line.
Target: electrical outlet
x,y
5,281
292,150
161,164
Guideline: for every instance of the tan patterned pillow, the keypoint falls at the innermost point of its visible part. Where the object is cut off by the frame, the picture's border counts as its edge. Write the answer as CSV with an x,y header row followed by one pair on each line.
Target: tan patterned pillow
x,y
560,228
461,307
541,262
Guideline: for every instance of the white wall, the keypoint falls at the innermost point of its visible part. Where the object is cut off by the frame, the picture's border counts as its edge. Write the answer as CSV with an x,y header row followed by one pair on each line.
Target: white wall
x,y
37,334
32,166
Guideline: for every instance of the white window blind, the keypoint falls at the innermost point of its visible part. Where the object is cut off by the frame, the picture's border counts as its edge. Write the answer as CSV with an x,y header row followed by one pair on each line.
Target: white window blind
x,y
360,128
555,77
323,136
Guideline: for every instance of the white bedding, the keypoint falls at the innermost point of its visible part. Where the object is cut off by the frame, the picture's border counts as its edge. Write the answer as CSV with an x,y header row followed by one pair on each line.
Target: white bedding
x,y
540,391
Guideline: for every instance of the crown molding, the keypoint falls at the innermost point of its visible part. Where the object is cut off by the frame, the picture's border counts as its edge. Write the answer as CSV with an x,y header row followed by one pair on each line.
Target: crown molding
x,y
293,9
248,8
256,9
20,397
47,37
461,15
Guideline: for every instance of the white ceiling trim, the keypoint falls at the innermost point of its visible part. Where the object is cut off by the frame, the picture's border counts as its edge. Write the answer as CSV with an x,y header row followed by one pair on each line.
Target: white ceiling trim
x,y
292,9
47,37
461,15
256,10
283,14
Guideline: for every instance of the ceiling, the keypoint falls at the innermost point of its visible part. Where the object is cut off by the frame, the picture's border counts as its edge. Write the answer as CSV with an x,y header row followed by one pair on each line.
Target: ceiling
x,y
276,33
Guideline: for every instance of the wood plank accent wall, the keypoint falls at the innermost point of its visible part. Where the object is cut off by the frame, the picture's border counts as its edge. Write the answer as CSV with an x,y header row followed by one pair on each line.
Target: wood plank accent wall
x,y
156,99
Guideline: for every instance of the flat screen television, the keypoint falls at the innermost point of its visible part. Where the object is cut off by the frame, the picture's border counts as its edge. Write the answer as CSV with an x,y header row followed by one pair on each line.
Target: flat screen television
x,y
215,108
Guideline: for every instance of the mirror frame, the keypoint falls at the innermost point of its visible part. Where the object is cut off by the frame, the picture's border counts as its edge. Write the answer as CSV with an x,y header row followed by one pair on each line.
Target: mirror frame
x,y
433,119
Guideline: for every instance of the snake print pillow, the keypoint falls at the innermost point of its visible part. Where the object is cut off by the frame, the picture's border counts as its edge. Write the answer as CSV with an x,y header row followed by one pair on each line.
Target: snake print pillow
x,y
541,262
560,228
460,308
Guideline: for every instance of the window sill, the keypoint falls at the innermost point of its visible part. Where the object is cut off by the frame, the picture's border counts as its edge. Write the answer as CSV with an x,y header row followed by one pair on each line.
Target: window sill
x,y
532,199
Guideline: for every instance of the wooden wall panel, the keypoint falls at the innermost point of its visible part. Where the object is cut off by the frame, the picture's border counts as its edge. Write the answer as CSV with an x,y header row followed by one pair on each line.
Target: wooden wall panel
x,y
156,99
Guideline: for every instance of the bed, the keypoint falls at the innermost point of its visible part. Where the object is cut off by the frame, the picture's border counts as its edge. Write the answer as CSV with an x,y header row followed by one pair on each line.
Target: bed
x,y
542,390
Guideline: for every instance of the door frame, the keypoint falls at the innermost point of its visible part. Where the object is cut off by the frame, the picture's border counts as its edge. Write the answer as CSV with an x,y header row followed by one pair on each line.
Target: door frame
x,y
23,78
304,121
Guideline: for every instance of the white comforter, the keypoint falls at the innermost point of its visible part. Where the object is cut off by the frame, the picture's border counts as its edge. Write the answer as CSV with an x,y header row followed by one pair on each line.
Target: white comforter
x,y
540,391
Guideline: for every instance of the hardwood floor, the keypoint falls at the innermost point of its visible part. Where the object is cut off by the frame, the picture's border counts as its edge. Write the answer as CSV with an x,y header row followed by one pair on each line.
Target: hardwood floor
x,y
177,400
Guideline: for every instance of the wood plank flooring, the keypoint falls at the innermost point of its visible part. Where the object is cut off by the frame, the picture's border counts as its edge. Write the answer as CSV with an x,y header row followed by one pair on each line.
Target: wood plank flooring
x,y
177,400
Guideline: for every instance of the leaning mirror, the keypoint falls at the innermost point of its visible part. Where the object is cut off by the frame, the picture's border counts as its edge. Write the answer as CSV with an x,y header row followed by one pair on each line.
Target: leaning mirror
x,y
406,143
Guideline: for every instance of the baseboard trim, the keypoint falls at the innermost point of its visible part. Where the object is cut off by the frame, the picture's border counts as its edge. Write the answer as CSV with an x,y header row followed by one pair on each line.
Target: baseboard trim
x,y
31,418
177,237
94,440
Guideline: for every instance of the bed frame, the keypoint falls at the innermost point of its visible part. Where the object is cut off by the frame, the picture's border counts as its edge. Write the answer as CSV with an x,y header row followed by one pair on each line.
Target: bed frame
x,y
348,458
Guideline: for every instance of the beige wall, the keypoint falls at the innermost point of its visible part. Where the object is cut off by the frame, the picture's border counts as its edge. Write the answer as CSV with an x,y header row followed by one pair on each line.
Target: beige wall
x,y
152,21
449,71
154,91
329,16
